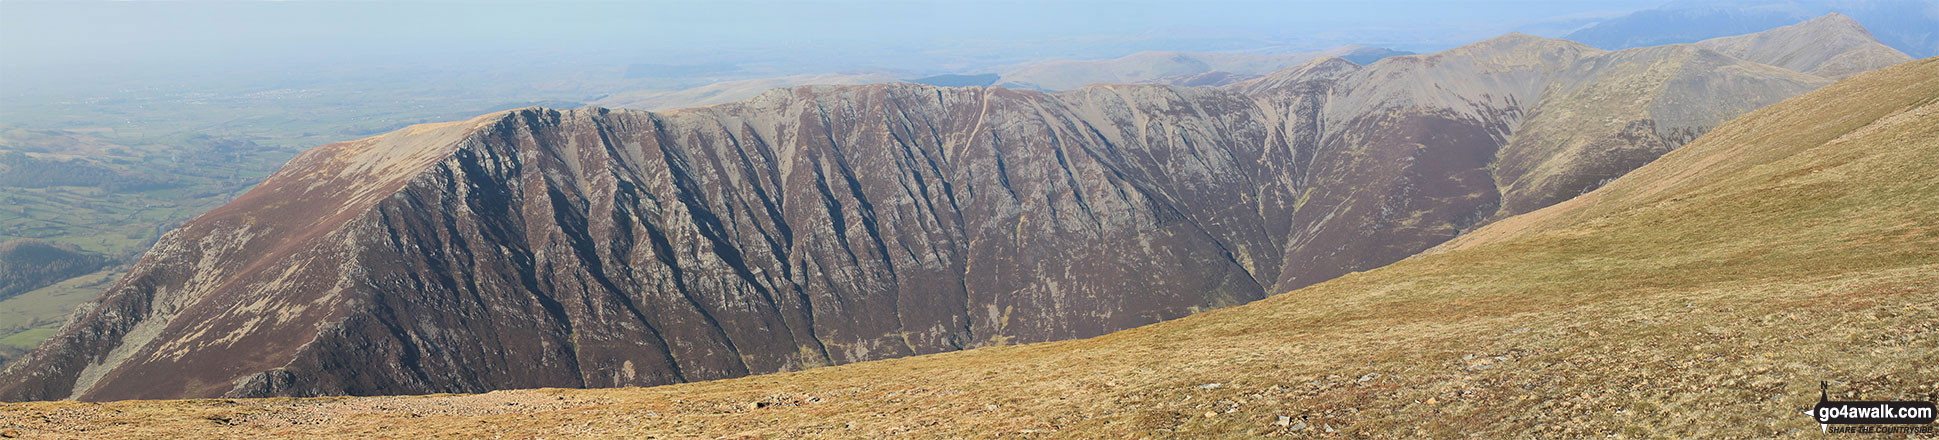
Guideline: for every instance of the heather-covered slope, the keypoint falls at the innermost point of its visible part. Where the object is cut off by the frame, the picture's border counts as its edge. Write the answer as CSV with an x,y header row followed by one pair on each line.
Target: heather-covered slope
x,y
1704,295
826,225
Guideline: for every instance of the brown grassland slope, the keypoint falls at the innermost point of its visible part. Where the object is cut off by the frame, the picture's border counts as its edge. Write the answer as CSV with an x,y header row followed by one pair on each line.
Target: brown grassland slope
x,y
1704,295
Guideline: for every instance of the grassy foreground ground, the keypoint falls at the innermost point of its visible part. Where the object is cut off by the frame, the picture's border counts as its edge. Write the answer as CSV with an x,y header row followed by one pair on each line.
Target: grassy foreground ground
x,y
1703,296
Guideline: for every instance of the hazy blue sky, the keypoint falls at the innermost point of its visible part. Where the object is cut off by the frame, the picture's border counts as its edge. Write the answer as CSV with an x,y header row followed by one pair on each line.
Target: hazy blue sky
x,y
75,40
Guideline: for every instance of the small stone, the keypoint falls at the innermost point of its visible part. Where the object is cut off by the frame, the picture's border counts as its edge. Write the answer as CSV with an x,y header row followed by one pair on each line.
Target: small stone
x,y
1298,427
1432,401
10,434
1284,421
1210,386
1210,414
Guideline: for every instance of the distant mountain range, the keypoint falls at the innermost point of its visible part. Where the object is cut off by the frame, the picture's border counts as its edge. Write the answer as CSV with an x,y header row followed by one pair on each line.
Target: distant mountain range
x,y
821,225
958,80
1171,67
1148,67
728,91
1911,26
1833,46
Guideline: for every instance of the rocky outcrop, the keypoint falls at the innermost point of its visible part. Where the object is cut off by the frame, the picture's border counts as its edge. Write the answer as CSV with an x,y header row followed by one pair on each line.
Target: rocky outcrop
x,y
823,225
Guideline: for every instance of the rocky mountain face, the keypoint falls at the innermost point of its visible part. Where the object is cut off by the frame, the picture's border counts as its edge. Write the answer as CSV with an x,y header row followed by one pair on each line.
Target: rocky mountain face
x,y
1411,151
831,224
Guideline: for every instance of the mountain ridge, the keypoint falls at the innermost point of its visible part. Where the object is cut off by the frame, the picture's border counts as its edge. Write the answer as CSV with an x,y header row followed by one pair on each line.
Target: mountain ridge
x,y
1787,249
821,225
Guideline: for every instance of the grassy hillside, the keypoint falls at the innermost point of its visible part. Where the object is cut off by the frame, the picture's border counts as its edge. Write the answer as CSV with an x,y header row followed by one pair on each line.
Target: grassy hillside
x,y
1703,296
28,318
27,264
39,284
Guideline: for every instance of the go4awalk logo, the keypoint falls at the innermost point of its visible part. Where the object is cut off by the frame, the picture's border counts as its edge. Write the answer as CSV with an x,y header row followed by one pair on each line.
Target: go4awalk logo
x,y
1871,416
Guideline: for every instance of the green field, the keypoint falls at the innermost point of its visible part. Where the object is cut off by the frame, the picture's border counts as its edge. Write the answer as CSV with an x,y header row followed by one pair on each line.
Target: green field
x,y
110,197
28,318
26,340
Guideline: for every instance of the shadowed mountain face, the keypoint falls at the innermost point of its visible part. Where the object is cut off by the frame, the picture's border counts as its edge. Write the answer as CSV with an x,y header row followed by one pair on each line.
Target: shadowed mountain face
x,y
824,225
